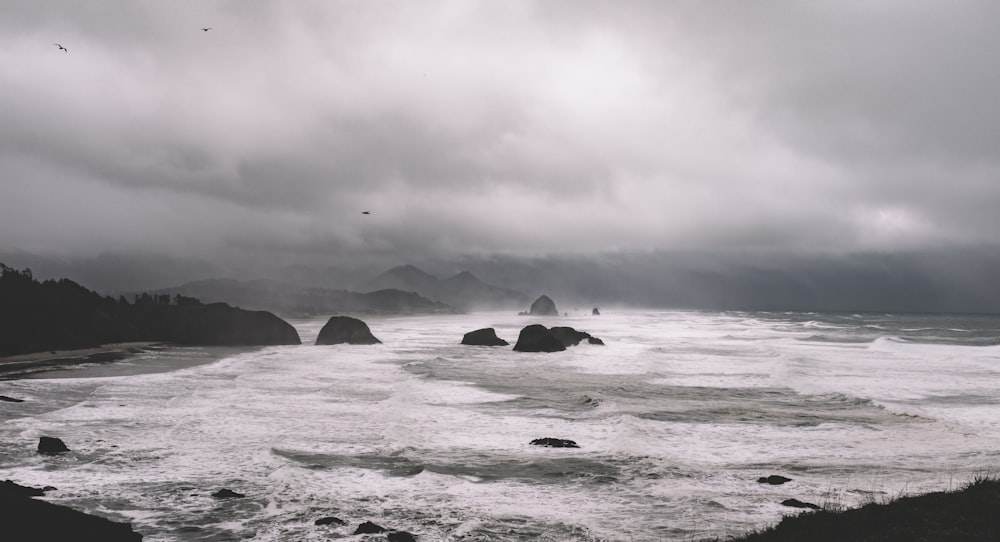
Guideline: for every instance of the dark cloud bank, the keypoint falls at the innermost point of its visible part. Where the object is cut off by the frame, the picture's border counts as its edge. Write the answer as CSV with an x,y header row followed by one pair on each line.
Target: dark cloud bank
x,y
772,155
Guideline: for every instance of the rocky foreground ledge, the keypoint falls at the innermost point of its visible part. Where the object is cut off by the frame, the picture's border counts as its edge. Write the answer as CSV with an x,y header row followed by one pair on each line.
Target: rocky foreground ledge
x,y
24,518
971,514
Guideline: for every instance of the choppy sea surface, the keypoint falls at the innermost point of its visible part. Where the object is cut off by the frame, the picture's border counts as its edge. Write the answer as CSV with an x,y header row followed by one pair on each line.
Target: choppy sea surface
x,y
676,418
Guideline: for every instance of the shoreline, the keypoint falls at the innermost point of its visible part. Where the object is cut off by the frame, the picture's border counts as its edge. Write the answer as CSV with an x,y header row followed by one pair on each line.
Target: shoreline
x,y
13,367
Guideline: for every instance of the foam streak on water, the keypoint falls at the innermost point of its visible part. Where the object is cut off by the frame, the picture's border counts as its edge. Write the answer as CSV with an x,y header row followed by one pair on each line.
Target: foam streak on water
x,y
676,418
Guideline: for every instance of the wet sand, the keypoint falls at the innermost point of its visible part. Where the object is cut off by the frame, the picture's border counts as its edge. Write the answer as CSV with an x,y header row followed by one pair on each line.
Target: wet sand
x,y
24,364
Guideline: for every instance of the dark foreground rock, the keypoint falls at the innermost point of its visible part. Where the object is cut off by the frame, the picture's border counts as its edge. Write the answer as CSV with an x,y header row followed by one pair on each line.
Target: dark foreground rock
x,y
345,330
9,487
226,493
538,338
483,337
554,442
969,514
543,306
774,480
23,518
369,528
51,446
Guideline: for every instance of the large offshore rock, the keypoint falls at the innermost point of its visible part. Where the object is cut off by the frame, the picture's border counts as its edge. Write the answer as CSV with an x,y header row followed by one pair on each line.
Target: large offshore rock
x,y
543,306
538,338
345,330
483,337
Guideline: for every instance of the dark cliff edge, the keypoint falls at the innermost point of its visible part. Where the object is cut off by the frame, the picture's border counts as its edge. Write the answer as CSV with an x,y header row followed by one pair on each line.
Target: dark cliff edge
x,y
58,315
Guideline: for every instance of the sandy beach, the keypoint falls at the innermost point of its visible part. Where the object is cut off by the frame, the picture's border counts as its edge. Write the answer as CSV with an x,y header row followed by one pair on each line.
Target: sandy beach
x,y
15,366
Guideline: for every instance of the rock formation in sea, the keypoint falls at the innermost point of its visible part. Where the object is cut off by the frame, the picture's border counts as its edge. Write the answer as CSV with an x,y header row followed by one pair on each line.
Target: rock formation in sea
x,y
483,337
543,306
345,330
226,493
774,480
538,338
550,442
51,446
595,312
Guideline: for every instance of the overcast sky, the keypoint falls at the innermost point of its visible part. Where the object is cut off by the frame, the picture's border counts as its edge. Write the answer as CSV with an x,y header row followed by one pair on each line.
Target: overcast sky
x,y
508,127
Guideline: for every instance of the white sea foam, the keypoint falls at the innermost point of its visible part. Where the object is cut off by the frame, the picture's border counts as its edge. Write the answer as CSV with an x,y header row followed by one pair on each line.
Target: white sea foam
x,y
675,417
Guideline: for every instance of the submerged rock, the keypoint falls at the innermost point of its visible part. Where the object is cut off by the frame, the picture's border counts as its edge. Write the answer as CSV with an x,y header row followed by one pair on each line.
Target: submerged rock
x,y
6,399
330,520
774,480
555,442
795,503
543,306
401,536
483,337
538,338
225,493
345,330
369,528
51,445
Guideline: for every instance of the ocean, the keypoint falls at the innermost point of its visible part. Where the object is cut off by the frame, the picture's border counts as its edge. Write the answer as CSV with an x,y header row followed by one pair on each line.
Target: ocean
x,y
676,418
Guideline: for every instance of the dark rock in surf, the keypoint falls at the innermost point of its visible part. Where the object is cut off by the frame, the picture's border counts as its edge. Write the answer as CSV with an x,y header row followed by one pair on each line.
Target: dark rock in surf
x,y
25,518
6,399
774,480
543,306
538,338
9,487
571,337
595,341
595,312
401,536
51,446
345,330
225,493
369,528
554,442
483,337
795,503
330,520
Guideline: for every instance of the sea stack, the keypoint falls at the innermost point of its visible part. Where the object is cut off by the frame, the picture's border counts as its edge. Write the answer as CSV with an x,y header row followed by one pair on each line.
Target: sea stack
x,y
483,337
345,330
543,306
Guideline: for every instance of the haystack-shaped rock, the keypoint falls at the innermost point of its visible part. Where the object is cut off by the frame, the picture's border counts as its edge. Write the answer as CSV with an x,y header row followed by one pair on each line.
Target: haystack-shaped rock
x,y
543,306
344,329
538,338
483,337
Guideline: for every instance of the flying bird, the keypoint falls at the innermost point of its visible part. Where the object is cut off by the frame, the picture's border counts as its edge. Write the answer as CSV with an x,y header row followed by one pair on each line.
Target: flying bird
x,y
61,48
366,212
206,29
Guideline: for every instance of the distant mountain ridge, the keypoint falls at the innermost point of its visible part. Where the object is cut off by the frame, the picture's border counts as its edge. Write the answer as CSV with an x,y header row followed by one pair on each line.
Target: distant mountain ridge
x,y
293,300
463,290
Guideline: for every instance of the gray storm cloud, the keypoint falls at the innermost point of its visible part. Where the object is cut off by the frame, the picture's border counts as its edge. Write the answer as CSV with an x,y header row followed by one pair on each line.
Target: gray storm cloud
x,y
497,127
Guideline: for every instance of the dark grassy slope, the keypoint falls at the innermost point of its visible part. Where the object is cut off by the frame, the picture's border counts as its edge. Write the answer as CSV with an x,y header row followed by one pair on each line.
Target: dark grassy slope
x,y
56,315
968,515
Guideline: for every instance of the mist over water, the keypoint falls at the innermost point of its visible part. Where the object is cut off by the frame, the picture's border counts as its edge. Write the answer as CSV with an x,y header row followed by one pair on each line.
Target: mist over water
x,y
676,418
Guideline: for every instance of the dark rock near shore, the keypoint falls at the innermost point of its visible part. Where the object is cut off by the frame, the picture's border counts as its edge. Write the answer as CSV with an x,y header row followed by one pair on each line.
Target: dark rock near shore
x,y
51,445
345,330
483,337
538,338
774,480
554,442
595,341
226,493
330,520
6,399
571,337
25,518
369,528
543,306
795,503
401,536
9,487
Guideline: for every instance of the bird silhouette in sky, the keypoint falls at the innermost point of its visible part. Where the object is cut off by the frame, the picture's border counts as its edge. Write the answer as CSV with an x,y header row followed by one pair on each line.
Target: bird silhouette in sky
x,y
366,212
61,48
206,29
